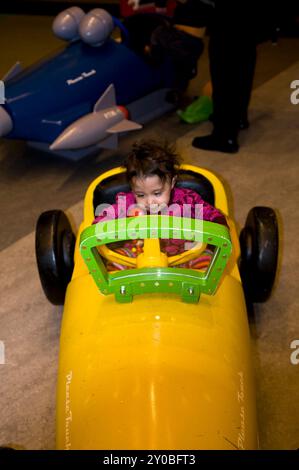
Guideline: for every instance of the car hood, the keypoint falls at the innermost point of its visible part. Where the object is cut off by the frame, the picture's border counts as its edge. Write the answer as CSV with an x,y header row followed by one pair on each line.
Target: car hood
x,y
156,373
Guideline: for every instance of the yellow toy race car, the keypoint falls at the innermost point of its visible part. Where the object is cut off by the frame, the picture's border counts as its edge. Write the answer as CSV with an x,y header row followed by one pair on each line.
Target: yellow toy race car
x,y
156,356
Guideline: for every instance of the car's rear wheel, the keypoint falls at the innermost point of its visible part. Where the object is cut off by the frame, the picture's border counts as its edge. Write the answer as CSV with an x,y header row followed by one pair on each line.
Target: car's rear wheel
x,y
259,253
54,247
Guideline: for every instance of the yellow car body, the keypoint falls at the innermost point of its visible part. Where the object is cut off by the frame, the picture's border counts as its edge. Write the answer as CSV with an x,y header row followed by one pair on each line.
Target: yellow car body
x,y
155,373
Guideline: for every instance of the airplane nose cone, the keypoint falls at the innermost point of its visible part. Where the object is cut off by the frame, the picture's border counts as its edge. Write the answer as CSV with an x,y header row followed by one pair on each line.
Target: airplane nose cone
x,y
6,124
64,141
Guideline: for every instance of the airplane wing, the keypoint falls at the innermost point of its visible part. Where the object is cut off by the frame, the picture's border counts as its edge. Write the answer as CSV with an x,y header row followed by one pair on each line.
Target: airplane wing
x,y
13,71
107,99
124,126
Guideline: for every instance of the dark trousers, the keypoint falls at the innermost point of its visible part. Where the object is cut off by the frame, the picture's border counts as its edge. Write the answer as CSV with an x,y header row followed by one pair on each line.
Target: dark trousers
x,y
232,26
232,64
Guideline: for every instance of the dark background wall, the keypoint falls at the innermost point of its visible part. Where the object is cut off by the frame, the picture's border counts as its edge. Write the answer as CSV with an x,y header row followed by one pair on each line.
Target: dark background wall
x,y
287,12
52,7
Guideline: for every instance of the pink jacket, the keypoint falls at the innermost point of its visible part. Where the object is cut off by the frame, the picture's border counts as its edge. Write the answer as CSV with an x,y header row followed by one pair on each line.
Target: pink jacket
x,y
179,198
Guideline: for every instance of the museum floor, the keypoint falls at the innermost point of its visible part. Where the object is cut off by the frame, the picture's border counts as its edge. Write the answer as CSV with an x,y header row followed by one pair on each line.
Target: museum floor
x,y
264,172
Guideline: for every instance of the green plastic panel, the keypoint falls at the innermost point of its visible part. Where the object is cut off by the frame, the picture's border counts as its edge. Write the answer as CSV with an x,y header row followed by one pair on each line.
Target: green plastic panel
x,y
188,283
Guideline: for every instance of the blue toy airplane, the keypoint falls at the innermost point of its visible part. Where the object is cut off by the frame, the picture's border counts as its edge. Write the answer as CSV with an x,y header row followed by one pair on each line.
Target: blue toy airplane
x,y
86,94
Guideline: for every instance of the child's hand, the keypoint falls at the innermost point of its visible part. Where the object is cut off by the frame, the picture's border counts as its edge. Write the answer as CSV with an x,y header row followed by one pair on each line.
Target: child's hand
x,y
136,212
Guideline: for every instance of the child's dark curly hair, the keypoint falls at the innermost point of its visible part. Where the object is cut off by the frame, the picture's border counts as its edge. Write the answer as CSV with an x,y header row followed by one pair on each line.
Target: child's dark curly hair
x,y
149,158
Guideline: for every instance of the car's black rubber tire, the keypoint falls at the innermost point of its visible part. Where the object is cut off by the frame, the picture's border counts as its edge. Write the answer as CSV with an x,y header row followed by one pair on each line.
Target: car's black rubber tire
x,y
54,248
259,253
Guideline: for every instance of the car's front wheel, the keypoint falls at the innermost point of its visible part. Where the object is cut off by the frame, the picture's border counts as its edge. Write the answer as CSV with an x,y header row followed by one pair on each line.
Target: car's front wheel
x,y
259,253
54,247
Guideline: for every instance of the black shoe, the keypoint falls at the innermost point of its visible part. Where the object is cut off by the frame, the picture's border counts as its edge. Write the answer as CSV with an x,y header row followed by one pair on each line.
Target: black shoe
x,y
243,124
214,143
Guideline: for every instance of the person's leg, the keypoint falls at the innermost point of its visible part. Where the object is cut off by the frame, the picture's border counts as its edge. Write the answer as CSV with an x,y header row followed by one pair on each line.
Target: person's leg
x,y
246,71
224,72
232,64
233,61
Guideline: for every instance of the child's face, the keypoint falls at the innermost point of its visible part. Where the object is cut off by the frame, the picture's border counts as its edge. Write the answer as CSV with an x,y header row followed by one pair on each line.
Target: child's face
x,y
151,192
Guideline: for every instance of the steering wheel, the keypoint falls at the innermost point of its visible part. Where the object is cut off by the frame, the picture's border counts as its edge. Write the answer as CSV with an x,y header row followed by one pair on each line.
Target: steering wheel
x,y
152,255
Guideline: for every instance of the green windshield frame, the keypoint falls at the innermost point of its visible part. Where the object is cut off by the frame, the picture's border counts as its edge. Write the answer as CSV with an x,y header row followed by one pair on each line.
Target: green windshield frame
x,y
186,282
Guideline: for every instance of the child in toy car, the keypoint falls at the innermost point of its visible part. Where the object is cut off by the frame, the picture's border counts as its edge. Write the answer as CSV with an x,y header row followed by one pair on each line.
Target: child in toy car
x,y
154,357
152,174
